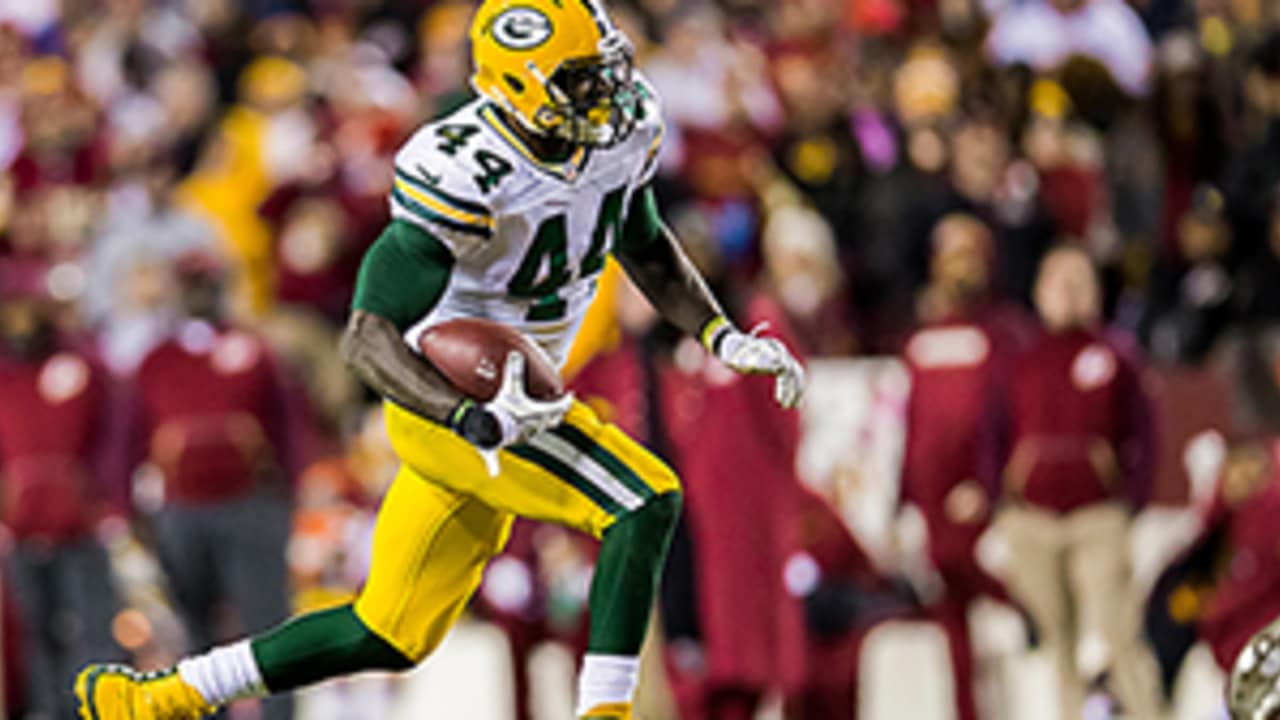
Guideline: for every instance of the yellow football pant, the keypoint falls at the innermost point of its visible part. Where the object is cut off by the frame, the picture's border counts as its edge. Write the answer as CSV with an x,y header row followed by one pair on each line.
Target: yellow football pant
x,y
445,516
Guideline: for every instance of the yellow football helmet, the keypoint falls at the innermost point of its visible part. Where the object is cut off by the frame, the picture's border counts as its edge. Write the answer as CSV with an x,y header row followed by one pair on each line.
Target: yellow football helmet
x,y
560,67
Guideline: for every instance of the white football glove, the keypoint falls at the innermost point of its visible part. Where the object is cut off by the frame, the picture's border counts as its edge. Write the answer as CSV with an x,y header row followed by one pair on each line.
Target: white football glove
x,y
753,354
520,416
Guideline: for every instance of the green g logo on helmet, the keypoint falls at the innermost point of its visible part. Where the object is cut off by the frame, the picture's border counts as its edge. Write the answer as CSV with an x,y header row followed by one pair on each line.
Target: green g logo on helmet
x,y
559,68
521,28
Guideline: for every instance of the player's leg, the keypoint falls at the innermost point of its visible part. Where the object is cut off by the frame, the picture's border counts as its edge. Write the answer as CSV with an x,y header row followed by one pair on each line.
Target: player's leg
x,y
587,475
430,546
429,550
632,553
423,576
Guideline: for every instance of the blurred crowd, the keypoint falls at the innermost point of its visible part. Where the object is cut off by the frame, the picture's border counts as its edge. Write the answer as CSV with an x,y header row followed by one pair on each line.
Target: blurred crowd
x,y
1037,205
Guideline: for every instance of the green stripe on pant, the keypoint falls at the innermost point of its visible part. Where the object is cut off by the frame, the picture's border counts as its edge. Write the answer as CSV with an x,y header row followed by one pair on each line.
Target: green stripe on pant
x,y
564,471
605,459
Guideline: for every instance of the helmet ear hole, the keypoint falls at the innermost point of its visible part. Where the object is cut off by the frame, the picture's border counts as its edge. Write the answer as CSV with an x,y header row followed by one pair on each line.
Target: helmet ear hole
x,y
513,82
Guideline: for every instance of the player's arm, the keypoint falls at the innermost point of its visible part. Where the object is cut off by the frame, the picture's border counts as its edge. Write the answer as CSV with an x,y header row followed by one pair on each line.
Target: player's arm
x,y
401,279
655,262
403,276
652,257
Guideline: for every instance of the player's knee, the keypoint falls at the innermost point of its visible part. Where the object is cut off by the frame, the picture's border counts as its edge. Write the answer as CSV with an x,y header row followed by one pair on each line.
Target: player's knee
x,y
662,479
382,647
669,505
660,514
376,652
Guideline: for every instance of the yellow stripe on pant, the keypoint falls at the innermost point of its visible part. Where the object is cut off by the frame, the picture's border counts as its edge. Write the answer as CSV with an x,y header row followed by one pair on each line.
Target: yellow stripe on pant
x,y
445,516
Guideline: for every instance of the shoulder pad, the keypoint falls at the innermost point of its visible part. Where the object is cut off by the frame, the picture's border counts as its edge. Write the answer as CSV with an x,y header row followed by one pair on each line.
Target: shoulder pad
x,y
442,186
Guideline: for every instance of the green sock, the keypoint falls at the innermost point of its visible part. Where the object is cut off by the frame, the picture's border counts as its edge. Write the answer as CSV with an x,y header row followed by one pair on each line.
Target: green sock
x,y
319,646
631,558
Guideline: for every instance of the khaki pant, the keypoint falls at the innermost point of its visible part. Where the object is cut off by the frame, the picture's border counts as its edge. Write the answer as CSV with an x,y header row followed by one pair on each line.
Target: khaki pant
x,y
1071,572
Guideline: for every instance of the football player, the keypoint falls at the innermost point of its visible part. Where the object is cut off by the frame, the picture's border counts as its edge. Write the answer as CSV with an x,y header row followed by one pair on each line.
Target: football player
x,y
503,210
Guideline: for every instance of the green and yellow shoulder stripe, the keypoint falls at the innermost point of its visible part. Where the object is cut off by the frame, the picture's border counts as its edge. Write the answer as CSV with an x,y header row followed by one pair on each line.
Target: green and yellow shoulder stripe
x,y
424,200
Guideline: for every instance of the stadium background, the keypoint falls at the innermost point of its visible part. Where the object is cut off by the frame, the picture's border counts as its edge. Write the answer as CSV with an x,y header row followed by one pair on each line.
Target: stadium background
x,y
149,147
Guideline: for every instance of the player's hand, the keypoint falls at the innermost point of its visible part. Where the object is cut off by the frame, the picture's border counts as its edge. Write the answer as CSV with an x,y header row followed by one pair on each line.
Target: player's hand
x,y
519,415
1253,690
751,353
511,417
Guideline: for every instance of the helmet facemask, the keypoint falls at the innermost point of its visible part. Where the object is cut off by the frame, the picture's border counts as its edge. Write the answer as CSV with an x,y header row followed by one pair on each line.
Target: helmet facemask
x,y
594,100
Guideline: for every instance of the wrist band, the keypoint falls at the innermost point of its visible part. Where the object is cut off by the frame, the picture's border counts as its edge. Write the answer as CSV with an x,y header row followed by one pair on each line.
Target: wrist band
x,y
454,421
713,332
475,424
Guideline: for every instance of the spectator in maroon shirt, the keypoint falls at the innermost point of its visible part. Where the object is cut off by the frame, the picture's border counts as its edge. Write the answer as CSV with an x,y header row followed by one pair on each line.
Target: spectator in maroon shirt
x,y
53,432
737,459
1079,465
212,426
58,174
1226,586
1245,596
957,359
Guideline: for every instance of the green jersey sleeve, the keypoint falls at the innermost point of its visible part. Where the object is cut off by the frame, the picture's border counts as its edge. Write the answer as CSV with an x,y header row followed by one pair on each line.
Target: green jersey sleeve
x,y
403,274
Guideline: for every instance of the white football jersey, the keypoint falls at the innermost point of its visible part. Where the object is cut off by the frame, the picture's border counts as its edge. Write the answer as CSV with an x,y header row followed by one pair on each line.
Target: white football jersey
x,y
528,237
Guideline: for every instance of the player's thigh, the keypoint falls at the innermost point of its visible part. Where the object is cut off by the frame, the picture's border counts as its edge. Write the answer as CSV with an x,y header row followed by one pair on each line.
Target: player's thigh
x,y
584,474
430,546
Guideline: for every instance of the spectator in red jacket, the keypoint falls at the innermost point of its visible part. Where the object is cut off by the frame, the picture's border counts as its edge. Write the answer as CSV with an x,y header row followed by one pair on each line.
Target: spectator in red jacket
x,y
53,432
1079,464
957,359
738,465
213,430
1226,585
1246,594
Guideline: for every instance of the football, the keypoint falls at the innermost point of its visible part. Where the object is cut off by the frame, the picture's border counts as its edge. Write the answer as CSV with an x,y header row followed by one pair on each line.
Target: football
x,y
471,354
